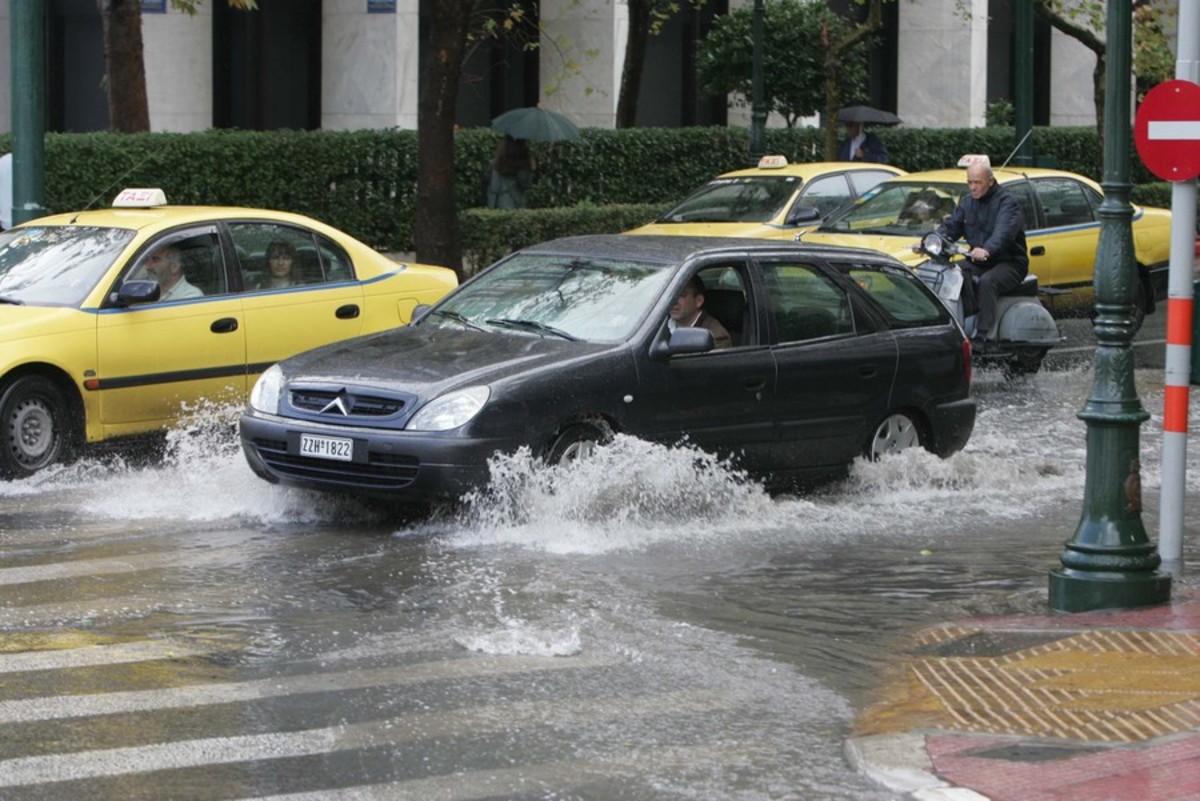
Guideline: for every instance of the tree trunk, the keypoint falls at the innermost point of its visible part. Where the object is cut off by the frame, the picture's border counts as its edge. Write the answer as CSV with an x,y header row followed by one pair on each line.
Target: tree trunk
x,y
128,109
635,62
436,224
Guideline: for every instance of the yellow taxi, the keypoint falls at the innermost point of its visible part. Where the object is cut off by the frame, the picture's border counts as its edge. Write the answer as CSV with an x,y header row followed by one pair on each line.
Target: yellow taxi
x,y
773,200
1062,228
116,321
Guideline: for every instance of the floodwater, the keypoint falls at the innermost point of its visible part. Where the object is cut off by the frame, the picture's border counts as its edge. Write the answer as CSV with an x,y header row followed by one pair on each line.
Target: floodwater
x,y
644,625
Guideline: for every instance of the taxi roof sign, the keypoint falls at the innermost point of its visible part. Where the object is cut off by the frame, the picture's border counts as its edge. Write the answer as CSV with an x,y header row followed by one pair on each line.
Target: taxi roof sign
x,y
140,198
971,158
772,162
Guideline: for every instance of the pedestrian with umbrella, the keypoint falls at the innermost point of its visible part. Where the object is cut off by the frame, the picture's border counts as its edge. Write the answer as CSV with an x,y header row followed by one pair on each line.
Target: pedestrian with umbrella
x,y
511,174
513,165
861,145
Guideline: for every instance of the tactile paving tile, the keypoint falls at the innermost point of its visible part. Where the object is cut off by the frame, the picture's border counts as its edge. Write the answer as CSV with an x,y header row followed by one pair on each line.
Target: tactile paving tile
x,y
1100,685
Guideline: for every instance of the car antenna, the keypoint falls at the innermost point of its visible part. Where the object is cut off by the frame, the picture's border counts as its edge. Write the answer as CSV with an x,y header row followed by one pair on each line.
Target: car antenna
x,y
1028,134
118,180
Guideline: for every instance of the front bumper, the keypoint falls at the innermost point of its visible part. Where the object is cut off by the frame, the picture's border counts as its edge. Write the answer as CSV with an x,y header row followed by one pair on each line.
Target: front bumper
x,y
400,465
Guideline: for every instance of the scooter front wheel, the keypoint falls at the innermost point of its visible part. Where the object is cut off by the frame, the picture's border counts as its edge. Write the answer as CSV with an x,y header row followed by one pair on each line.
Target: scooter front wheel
x,y
1026,360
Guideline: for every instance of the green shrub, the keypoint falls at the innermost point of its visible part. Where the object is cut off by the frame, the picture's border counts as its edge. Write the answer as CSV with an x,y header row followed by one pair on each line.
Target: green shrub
x,y
364,182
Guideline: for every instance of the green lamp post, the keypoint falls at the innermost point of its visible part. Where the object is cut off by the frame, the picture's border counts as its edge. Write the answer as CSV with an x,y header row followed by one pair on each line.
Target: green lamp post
x,y
28,109
758,114
1110,562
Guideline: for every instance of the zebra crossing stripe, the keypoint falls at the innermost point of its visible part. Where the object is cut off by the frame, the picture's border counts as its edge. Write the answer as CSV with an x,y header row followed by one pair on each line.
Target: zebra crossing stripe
x,y
29,710
110,762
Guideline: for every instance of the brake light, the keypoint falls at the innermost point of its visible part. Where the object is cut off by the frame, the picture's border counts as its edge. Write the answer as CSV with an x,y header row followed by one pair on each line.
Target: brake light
x,y
966,346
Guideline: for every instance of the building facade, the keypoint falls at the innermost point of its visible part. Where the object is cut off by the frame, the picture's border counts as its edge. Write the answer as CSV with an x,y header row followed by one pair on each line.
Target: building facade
x,y
355,64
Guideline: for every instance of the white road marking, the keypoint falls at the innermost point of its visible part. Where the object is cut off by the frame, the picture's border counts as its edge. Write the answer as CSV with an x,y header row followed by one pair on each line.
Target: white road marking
x,y
109,762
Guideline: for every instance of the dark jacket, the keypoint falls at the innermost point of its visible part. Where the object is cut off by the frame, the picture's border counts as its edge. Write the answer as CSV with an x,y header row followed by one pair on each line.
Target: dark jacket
x,y
994,223
873,149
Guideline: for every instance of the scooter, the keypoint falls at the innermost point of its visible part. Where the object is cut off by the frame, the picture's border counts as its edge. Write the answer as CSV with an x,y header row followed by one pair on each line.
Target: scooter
x,y
1025,329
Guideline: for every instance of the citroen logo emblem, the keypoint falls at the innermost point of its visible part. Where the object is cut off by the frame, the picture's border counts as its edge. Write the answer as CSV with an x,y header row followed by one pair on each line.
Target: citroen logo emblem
x,y
338,404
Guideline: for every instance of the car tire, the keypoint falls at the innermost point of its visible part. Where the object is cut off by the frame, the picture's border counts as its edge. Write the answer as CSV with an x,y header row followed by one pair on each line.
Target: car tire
x,y
35,430
895,433
579,441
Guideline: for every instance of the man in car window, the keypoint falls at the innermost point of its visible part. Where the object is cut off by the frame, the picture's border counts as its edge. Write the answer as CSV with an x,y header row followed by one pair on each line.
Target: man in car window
x,y
686,312
166,267
990,219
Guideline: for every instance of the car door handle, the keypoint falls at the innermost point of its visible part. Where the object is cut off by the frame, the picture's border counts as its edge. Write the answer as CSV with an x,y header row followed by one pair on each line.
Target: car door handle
x,y
755,384
224,326
347,312
868,371
1038,251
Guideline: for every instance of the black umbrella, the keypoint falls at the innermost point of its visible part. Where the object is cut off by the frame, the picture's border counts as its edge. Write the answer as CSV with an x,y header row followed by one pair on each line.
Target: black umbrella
x,y
867,115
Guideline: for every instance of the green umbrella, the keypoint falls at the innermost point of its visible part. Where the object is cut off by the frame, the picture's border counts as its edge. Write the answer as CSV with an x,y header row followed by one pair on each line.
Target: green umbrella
x,y
536,125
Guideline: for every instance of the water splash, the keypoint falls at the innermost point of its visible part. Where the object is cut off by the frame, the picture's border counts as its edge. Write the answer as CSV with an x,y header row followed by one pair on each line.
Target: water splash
x,y
628,494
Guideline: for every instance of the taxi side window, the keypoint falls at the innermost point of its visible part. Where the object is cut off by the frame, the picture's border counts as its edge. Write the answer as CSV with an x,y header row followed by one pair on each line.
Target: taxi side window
x,y
1064,202
826,194
335,263
186,265
276,256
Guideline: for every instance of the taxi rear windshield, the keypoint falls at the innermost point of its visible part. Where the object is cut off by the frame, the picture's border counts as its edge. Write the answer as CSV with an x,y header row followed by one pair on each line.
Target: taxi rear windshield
x,y
56,265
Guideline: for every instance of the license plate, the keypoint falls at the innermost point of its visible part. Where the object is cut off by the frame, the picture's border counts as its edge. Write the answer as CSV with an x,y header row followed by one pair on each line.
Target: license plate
x,y
336,448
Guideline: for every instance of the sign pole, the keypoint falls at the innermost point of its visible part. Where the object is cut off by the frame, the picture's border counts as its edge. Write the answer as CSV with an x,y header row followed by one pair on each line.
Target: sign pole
x,y
1180,313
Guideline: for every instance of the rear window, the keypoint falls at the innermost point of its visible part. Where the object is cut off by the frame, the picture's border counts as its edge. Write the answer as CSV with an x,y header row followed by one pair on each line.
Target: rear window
x,y
899,294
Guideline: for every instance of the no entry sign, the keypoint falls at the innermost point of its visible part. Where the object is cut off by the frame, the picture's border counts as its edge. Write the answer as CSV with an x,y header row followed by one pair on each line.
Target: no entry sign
x,y
1167,130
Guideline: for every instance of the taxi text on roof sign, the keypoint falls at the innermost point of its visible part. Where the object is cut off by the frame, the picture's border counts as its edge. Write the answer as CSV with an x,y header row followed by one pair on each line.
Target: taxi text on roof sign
x,y
139,198
971,158
772,162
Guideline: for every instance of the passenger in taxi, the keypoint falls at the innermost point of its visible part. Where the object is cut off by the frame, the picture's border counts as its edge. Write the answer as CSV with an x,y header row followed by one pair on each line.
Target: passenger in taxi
x,y
281,259
166,266
687,312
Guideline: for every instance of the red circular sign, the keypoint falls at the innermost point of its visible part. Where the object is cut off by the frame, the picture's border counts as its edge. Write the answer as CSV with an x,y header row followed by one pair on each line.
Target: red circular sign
x,y
1167,130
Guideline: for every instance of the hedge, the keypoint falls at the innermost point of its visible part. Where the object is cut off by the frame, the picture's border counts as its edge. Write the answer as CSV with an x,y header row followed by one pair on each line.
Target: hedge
x,y
364,182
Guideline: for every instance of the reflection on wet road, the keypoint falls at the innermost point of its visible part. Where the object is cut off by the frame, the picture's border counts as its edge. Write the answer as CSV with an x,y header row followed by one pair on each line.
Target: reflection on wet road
x,y
647,625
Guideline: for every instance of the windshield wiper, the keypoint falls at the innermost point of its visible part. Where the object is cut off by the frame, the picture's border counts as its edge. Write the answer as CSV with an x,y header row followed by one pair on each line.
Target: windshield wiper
x,y
11,300
458,318
531,325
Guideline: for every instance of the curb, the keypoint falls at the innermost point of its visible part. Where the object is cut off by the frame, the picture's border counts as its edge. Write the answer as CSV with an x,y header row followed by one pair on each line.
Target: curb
x,y
900,763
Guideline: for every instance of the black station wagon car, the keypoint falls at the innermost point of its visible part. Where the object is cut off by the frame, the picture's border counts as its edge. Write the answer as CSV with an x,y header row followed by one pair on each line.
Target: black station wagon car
x,y
836,353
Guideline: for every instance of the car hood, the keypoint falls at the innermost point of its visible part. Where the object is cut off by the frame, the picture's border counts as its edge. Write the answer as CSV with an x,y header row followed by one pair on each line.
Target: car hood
x,y
898,247
428,360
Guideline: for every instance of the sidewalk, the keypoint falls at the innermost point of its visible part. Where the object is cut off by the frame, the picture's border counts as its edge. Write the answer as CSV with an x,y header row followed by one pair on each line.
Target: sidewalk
x,y
1090,706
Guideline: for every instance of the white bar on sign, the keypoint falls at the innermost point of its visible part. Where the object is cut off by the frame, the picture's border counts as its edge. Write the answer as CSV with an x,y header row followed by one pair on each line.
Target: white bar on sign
x,y
1174,129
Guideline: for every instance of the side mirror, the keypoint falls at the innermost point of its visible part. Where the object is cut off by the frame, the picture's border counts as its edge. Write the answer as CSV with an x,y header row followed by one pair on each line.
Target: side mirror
x,y
802,216
132,293
683,340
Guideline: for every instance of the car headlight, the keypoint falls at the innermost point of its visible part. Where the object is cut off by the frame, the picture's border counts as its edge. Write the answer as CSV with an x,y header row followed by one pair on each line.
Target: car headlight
x,y
265,395
450,410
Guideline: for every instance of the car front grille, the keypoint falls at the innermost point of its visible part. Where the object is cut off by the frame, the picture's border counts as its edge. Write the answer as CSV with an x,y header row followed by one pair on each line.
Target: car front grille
x,y
381,472
345,404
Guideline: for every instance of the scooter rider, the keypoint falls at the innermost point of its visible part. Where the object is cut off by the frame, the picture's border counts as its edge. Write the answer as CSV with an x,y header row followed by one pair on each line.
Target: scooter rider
x,y
990,220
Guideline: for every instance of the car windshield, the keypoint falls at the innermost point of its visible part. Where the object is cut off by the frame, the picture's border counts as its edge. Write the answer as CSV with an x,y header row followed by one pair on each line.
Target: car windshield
x,y
898,208
56,265
567,297
733,200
